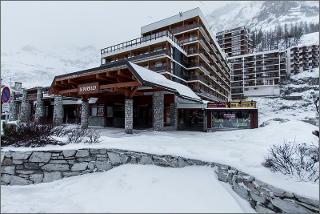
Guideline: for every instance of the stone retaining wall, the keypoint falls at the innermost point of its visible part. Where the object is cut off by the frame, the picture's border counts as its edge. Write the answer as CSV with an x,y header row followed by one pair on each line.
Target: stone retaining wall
x,y
31,167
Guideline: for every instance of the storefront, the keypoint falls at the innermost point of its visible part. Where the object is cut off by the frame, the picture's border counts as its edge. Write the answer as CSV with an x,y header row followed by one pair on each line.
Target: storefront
x,y
232,115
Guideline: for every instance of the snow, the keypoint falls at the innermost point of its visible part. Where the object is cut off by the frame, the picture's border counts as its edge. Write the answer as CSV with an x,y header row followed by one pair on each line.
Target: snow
x,y
243,149
128,188
310,39
159,79
314,73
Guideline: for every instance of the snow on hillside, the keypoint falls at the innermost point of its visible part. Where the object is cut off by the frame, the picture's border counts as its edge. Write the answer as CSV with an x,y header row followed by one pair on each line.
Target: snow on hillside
x,y
310,39
40,66
129,188
262,14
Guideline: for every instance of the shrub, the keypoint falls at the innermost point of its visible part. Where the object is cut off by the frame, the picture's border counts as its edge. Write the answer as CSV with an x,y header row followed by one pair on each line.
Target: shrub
x,y
79,135
298,160
29,135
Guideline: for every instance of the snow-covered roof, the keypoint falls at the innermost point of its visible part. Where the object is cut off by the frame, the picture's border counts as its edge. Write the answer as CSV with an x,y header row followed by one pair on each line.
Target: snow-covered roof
x,y
153,78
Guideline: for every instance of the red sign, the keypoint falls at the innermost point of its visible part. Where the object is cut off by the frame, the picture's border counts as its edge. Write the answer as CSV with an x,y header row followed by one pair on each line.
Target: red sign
x,y
89,88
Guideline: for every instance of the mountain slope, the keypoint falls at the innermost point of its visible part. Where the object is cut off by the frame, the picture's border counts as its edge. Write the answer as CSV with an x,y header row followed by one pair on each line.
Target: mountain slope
x,y
261,14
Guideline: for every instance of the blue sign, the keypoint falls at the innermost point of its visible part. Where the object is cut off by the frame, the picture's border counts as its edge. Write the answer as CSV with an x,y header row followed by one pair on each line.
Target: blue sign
x,y
5,96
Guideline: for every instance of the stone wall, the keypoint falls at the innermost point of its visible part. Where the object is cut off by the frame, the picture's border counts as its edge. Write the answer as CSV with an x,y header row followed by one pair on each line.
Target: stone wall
x,y
31,167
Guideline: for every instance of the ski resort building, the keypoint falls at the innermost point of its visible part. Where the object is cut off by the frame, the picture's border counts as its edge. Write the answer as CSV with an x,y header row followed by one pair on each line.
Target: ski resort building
x,y
173,77
258,74
301,58
235,41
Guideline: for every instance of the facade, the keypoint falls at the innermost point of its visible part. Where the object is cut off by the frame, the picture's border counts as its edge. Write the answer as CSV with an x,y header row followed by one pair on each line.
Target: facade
x,y
183,49
257,74
235,41
162,80
301,58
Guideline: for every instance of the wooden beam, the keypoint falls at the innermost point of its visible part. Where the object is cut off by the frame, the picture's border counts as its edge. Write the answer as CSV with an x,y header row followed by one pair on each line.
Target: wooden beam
x,y
120,85
68,91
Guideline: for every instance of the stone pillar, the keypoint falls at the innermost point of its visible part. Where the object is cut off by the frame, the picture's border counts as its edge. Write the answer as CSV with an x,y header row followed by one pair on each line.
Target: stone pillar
x,y
205,121
128,111
173,115
158,110
13,107
25,108
39,114
57,110
84,113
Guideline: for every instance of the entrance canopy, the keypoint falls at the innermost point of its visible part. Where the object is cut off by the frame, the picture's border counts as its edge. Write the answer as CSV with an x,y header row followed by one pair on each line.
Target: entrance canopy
x,y
123,78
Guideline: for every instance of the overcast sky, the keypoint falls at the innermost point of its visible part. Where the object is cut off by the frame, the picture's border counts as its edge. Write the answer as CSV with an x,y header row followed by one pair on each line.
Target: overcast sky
x,y
63,24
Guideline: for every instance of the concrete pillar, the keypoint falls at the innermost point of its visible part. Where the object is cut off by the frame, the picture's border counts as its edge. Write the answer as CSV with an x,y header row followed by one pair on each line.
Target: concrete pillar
x,y
39,114
25,108
57,110
84,113
128,120
158,110
13,105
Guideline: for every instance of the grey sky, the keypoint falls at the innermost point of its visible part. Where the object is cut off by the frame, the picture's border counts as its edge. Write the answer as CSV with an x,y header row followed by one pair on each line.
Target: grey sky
x,y
63,24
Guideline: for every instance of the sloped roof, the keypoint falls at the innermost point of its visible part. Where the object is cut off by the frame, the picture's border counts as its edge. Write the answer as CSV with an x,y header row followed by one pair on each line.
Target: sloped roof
x,y
151,78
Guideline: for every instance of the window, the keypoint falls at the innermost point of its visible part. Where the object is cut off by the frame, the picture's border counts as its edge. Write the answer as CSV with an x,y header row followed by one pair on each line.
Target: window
x,y
93,111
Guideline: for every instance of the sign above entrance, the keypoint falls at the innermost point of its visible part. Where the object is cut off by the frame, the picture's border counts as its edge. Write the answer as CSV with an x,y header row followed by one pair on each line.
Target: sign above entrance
x,y
89,88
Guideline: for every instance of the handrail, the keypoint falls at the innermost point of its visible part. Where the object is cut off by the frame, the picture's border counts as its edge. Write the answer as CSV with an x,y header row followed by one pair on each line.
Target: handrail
x,y
141,40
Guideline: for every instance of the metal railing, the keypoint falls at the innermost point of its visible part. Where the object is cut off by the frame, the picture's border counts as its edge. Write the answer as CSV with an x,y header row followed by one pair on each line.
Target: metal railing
x,y
141,40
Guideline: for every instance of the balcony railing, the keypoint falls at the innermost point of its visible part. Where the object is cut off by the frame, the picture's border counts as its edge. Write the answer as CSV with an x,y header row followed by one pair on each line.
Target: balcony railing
x,y
141,40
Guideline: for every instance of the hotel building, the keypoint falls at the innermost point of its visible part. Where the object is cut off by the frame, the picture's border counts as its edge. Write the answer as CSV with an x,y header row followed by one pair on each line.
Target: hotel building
x,y
235,41
303,57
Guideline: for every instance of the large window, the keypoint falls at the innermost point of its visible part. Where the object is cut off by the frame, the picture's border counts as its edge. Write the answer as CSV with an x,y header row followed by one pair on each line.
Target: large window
x,y
230,119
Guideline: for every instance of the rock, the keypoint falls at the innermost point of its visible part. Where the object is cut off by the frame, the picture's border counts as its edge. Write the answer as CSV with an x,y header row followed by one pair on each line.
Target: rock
x,y
165,161
8,170
68,153
86,159
68,174
104,166
15,180
82,153
24,172
98,151
36,178
261,209
51,176
31,166
14,161
145,160
222,175
79,166
114,158
257,197
56,167
124,158
241,190
307,200
289,206
58,161
182,162
6,161
5,178
40,157
20,155
91,165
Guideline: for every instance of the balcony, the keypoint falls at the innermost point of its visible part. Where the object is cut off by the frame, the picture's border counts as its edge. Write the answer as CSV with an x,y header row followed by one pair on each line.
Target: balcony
x,y
141,40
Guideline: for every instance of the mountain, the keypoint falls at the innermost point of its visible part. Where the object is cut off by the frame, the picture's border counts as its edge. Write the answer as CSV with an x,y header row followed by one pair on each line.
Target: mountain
x,y
35,66
262,14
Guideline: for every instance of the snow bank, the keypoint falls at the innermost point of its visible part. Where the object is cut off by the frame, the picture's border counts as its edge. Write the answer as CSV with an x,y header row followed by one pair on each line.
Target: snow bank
x,y
128,188
310,39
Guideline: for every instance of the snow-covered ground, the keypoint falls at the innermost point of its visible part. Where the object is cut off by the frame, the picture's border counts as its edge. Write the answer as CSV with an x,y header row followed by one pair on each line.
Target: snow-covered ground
x,y
129,188
243,149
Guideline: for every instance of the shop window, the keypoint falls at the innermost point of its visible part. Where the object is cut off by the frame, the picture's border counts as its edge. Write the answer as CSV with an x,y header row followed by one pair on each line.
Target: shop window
x,y
93,111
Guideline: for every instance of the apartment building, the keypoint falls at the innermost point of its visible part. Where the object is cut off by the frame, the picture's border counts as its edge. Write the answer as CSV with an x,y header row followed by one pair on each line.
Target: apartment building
x,y
235,41
159,80
257,74
304,57
183,49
